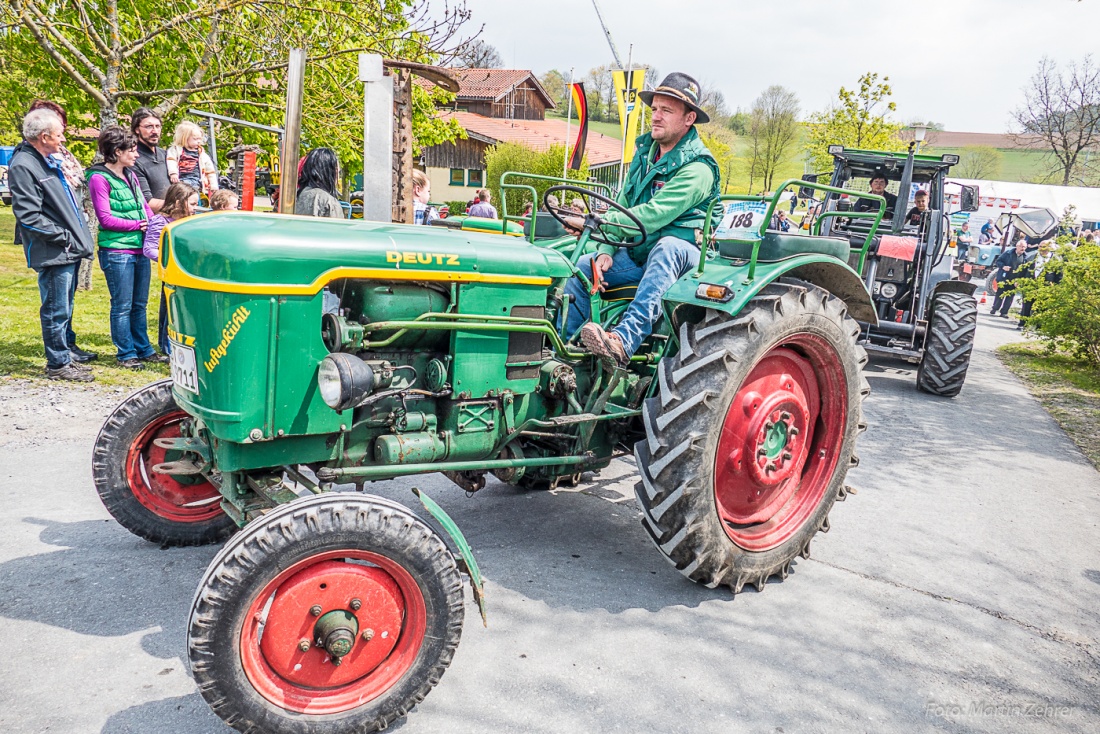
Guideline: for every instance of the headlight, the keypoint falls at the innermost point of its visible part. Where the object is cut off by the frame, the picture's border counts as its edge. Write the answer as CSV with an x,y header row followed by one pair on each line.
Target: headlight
x,y
889,290
344,380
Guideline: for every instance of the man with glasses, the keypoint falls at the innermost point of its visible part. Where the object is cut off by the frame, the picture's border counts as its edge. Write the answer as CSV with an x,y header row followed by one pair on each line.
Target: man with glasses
x,y
151,168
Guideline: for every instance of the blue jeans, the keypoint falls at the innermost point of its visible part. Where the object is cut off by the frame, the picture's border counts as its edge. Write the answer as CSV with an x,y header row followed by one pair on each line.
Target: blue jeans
x,y
57,288
162,318
669,259
128,282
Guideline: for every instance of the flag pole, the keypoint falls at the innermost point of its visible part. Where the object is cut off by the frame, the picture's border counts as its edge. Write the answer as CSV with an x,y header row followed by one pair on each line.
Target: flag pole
x,y
568,121
629,109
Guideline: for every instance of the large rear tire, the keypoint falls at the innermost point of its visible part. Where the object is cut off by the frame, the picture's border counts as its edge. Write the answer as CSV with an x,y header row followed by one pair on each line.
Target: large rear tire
x,y
330,615
172,510
949,344
751,435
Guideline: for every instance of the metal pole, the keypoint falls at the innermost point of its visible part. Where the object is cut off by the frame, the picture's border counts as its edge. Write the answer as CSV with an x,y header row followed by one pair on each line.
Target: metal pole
x,y
607,33
568,123
629,77
292,139
213,141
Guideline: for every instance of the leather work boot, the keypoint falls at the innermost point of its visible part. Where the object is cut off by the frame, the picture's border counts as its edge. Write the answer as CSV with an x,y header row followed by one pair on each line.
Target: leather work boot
x,y
70,372
82,355
154,358
606,345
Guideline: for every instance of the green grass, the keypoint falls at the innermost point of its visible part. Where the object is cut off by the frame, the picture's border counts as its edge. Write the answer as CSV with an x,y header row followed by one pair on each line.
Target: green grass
x,y
21,351
1020,166
1068,388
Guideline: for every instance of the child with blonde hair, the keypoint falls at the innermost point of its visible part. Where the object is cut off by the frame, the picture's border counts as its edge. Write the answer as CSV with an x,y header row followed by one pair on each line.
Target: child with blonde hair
x,y
187,161
224,200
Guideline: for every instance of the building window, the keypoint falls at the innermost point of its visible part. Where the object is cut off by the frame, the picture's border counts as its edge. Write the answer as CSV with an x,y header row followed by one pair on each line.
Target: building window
x,y
458,177
476,178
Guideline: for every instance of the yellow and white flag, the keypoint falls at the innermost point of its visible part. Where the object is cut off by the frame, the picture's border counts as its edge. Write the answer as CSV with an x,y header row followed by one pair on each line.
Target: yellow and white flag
x,y
630,106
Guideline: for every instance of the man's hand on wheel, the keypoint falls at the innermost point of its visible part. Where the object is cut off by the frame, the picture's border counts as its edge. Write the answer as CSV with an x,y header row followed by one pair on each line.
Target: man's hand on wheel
x,y
600,265
574,225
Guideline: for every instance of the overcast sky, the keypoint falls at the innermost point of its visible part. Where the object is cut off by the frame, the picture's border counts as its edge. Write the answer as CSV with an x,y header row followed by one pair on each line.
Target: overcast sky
x,y
958,62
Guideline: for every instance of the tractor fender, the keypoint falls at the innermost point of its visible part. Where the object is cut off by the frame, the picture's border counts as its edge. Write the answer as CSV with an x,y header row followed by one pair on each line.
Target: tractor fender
x,y
821,270
955,286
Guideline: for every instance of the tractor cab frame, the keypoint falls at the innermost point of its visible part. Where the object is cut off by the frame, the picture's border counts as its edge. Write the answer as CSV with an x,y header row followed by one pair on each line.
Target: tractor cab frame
x,y
908,263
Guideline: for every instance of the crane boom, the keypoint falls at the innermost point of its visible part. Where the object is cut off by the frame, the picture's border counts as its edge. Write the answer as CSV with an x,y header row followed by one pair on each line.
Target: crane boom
x,y
607,33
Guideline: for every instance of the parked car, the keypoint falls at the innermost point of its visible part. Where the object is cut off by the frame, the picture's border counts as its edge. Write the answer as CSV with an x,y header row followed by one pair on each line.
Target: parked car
x,y
5,192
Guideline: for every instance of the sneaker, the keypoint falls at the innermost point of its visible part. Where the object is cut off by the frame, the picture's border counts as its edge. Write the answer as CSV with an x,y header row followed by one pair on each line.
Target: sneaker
x,y
80,367
82,355
603,344
154,358
131,364
70,372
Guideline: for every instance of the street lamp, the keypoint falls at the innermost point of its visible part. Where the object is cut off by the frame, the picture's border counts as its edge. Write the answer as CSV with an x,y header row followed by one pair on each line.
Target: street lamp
x,y
918,135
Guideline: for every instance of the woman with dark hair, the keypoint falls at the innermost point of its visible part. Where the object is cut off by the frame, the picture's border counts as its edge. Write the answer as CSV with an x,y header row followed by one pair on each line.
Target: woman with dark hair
x,y
317,185
74,176
123,218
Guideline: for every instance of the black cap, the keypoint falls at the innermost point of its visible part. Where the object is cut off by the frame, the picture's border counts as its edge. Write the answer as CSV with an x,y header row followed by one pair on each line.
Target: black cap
x,y
682,87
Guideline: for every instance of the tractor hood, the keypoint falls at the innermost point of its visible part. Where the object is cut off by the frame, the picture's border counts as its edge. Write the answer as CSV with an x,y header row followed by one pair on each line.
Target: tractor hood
x,y
241,252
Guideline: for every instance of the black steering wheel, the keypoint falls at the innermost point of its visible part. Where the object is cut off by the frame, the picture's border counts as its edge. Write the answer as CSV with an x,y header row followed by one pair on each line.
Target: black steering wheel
x,y
593,222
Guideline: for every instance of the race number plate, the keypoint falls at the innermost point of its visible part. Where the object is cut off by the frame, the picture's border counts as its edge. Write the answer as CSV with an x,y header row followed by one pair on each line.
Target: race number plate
x,y
741,220
185,373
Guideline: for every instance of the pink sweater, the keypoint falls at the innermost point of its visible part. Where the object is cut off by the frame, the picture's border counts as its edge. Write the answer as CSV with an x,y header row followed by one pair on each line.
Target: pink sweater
x,y
99,191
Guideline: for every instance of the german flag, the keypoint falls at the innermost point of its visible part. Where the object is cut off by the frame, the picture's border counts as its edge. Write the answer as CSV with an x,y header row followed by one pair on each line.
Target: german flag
x,y
580,104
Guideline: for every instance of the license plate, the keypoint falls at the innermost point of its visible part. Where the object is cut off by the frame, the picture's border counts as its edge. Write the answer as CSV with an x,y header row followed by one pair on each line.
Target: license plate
x,y
185,374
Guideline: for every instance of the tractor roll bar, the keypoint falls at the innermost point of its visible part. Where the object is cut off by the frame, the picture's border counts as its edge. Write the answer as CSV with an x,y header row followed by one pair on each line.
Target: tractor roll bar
x,y
774,202
506,186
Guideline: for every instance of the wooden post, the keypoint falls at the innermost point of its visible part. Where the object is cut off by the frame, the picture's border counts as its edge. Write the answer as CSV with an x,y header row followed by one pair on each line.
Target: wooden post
x,y
402,147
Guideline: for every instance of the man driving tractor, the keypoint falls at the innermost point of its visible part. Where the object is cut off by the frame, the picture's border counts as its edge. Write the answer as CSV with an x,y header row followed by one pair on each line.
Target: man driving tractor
x,y
672,181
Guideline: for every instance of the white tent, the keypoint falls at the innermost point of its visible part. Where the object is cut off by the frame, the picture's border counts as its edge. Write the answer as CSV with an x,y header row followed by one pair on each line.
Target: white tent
x,y
1055,198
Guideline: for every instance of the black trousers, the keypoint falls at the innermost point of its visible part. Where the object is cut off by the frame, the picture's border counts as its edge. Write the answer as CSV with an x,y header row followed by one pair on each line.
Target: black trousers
x,y
1005,291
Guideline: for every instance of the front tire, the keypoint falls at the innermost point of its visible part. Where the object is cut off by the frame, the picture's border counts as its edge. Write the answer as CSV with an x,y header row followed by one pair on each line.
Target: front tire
x,y
751,435
172,510
258,642
949,344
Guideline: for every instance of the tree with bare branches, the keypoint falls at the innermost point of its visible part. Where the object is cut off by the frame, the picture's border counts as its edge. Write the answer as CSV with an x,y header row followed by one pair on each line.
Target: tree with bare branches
x,y
978,161
477,54
1061,111
102,58
772,127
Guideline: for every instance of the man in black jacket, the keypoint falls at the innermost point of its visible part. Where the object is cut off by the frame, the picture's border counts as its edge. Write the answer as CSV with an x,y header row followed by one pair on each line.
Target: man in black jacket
x,y
50,224
1008,264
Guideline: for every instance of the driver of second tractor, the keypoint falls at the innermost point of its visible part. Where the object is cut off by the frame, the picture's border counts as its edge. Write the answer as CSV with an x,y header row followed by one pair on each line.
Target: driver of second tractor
x,y
878,187
672,181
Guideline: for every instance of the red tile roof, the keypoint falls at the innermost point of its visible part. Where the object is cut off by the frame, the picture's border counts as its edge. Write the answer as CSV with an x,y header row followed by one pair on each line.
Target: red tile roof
x,y
538,134
491,84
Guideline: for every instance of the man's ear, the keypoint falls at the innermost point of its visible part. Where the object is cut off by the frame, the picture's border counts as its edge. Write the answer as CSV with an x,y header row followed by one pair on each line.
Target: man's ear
x,y
693,117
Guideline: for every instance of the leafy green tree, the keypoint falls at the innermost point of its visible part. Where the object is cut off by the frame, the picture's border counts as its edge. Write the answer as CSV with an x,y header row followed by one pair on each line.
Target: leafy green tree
x,y
720,141
1066,297
505,157
100,60
860,120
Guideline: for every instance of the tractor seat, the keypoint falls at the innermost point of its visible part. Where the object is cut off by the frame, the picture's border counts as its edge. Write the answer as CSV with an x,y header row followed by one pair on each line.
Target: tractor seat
x,y
780,246
546,227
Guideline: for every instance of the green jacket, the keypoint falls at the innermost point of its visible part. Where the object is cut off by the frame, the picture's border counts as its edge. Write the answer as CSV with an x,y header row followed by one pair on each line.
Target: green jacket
x,y
669,196
127,202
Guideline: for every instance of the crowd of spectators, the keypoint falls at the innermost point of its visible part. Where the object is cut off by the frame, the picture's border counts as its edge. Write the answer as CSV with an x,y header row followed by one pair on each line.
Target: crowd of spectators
x,y
113,212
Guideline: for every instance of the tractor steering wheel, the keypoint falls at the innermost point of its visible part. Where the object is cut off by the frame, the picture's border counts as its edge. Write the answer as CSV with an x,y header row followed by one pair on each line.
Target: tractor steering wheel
x,y
593,222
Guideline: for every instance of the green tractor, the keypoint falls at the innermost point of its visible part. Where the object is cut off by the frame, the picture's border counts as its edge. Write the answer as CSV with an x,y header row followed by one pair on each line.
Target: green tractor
x,y
312,355
924,315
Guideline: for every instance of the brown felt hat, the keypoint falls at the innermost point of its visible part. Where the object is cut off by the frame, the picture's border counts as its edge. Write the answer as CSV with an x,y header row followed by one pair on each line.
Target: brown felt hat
x,y
682,87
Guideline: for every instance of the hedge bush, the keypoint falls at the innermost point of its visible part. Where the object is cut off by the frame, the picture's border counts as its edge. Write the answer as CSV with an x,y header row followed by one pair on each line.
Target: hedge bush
x,y
505,157
1065,308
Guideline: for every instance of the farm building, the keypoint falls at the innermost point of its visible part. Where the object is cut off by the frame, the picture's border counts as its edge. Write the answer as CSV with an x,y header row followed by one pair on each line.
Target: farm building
x,y
504,106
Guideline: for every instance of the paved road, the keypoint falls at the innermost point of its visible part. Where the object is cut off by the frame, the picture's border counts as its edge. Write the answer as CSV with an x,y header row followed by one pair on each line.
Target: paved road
x,y
957,591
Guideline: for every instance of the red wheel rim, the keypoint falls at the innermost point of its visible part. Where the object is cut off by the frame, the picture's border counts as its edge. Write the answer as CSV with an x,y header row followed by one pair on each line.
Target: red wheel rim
x,y
282,616
186,499
780,442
